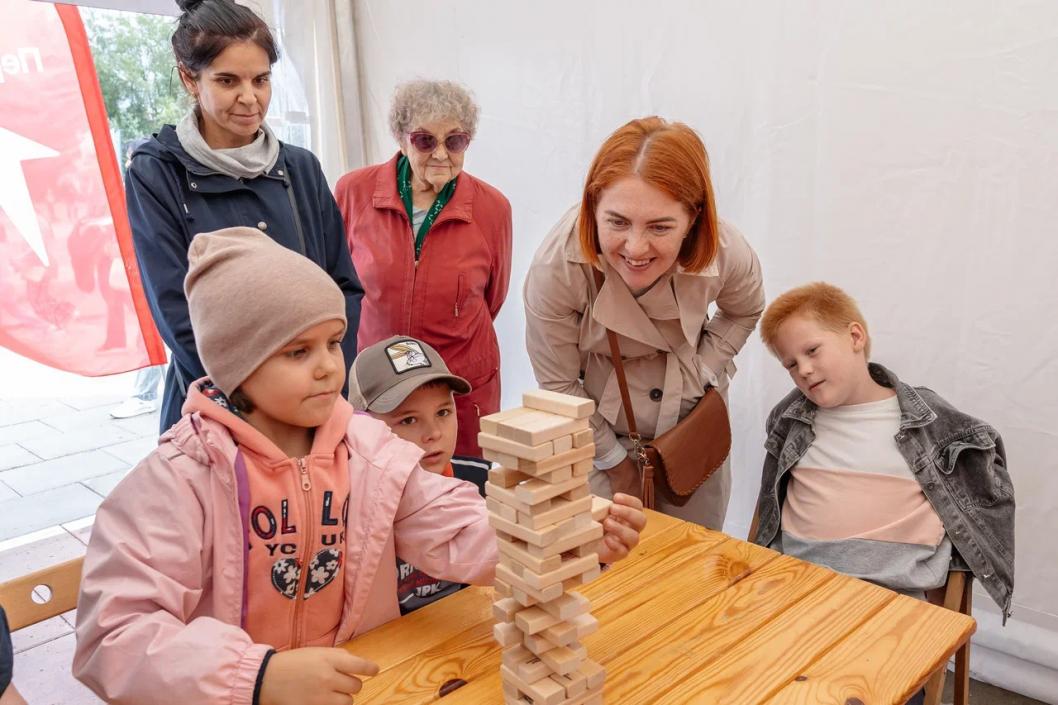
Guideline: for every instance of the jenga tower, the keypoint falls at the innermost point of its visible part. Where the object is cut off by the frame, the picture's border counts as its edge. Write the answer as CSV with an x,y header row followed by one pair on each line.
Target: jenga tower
x,y
547,526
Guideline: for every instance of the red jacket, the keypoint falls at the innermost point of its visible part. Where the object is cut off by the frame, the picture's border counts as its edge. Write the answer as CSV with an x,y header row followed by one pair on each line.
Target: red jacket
x,y
451,298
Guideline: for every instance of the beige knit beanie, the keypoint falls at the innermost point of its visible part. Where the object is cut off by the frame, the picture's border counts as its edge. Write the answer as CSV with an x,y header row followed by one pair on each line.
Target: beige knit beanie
x,y
248,296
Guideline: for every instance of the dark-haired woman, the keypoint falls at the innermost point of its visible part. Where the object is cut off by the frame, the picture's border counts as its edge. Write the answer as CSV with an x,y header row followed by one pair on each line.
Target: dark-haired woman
x,y
221,167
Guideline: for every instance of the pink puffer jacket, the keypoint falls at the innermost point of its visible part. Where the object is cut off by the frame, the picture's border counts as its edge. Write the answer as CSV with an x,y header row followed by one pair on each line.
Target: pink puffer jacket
x,y
158,619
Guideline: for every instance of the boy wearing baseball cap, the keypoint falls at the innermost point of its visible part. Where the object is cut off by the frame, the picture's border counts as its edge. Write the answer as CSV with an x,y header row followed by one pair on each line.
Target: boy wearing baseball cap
x,y
405,382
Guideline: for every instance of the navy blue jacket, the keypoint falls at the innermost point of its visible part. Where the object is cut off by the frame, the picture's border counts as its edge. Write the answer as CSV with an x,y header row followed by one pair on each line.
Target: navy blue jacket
x,y
171,198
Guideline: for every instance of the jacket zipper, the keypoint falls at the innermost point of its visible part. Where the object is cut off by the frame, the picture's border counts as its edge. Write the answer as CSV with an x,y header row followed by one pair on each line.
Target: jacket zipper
x,y
306,552
459,293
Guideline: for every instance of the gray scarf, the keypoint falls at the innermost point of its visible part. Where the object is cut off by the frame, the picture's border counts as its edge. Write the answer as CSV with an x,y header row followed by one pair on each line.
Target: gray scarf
x,y
247,162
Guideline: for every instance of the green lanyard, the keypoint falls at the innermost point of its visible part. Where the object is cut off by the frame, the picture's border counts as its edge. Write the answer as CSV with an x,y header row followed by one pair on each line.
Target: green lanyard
x,y
404,187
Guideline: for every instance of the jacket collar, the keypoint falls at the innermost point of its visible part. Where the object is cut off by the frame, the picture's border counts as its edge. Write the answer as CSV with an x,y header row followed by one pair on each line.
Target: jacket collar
x,y
166,142
914,411
459,207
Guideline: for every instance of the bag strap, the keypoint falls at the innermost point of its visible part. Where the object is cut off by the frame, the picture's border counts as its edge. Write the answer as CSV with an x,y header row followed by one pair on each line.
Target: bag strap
x,y
618,364
639,456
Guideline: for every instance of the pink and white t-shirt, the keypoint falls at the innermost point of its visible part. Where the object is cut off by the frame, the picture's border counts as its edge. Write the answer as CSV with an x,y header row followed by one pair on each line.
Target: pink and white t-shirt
x,y
853,504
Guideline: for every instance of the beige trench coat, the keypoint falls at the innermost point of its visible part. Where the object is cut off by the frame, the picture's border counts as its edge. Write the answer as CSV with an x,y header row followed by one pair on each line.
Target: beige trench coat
x,y
672,348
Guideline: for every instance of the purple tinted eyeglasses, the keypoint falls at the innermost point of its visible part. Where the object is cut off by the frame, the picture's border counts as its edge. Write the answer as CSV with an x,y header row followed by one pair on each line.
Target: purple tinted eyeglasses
x,y
426,142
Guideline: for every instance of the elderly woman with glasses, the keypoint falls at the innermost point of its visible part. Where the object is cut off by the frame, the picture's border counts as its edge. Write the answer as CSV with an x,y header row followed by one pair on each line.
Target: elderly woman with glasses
x,y
432,244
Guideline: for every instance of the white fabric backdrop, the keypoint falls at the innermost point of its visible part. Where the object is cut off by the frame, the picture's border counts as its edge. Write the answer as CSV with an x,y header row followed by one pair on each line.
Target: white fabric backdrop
x,y
907,151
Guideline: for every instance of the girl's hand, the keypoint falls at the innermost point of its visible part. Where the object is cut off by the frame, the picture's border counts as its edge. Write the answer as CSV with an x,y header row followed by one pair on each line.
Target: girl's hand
x,y
314,676
621,528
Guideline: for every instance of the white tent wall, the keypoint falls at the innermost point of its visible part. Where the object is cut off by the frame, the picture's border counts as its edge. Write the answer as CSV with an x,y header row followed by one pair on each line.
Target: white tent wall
x,y
907,151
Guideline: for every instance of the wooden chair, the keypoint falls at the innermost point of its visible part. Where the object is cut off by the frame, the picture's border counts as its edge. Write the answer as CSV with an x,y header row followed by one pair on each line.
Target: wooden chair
x,y
24,608
958,597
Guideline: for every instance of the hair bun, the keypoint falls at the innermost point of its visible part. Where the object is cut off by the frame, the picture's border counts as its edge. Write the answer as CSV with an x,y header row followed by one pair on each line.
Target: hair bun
x,y
189,5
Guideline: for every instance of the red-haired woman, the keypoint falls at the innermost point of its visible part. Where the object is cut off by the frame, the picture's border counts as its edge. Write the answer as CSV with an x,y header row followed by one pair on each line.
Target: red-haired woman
x,y
648,222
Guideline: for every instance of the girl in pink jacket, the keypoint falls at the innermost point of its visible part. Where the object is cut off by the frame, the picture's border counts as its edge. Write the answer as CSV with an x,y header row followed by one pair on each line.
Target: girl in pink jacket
x,y
264,529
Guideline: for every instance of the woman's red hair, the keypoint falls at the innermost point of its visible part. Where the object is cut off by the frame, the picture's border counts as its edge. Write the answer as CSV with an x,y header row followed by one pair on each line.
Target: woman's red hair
x,y
670,157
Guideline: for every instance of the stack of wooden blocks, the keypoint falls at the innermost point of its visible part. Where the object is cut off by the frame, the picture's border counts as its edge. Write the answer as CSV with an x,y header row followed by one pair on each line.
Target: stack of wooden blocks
x,y
547,525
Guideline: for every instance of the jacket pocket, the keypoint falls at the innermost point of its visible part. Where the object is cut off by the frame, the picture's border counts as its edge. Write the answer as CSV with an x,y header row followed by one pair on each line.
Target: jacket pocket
x,y
968,466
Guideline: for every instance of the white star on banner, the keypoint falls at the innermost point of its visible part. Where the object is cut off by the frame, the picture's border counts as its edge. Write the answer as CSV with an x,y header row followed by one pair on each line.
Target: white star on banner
x,y
14,193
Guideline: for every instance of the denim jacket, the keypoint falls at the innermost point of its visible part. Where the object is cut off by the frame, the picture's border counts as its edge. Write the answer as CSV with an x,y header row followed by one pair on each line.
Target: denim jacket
x,y
958,460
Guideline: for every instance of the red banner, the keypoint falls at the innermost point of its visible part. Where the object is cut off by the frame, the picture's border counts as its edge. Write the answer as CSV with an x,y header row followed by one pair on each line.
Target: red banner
x,y
70,292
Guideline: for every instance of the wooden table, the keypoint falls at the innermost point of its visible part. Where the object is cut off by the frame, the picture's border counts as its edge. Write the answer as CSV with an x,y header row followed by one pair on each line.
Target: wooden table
x,y
692,616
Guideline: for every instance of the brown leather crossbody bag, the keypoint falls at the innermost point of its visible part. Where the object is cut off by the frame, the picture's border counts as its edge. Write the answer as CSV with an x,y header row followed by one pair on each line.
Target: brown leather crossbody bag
x,y
681,459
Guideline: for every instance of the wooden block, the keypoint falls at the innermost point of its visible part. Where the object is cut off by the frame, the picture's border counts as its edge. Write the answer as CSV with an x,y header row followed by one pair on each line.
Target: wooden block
x,y
594,673
546,536
565,659
543,537
506,477
505,460
541,692
521,589
506,511
567,541
501,589
525,663
506,634
564,474
600,508
490,424
588,575
536,490
577,628
568,569
539,468
560,510
567,606
507,496
537,643
575,684
562,443
534,453
583,467
533,619
556,403
580,490
583,438
586,548
536,427
516,549
505,609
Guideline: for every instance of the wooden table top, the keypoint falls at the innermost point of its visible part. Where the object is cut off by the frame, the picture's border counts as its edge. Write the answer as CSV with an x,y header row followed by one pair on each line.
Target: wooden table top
x,y
692,616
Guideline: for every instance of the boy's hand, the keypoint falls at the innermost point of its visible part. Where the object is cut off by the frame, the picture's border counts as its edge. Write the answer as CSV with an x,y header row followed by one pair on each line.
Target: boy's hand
x,y
621,528
314,676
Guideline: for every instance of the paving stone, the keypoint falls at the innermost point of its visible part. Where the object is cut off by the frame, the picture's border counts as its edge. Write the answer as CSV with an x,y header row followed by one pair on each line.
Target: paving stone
x,y
93,401
6,492
134,451
58,547
37,634
25,515
104,484
81,529
22,431
43,675
38,477
58,443
14,411
75,420
13,456
142,425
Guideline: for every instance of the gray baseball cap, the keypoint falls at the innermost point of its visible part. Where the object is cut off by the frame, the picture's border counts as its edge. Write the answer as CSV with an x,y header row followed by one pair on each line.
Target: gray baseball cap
x,y
384,374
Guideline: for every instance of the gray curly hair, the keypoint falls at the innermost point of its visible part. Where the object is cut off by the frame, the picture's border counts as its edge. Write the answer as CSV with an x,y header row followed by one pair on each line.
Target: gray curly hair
x,y
425,101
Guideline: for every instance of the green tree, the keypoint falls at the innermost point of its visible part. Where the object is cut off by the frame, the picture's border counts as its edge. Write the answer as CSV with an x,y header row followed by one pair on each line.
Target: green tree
x,y
136,69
